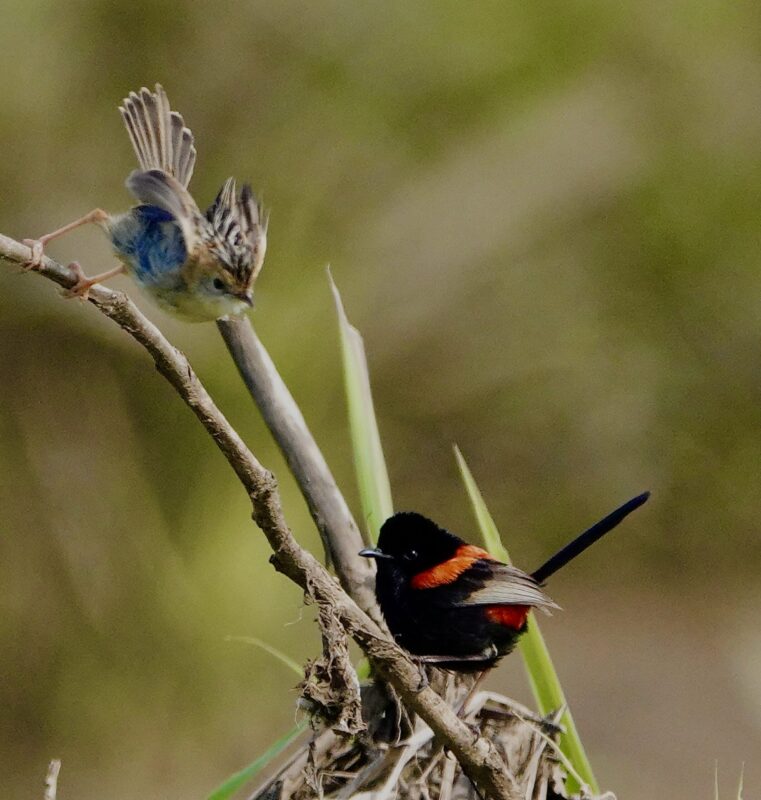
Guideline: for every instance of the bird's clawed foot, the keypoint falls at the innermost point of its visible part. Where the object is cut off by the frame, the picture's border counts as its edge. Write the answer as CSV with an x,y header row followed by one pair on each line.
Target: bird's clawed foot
x,y
37,248
424,682
81,288
489,653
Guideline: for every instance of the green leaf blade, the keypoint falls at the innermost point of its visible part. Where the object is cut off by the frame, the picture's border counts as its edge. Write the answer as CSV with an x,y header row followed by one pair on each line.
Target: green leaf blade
x,y
369,463
486,524
227,789
542,676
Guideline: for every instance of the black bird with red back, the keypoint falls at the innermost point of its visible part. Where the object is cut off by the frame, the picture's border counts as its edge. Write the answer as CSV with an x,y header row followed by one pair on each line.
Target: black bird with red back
x,y
451,603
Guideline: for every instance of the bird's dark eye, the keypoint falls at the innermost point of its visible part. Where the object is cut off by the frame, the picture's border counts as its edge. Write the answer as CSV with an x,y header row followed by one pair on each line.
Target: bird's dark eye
x,y
411,555
218,285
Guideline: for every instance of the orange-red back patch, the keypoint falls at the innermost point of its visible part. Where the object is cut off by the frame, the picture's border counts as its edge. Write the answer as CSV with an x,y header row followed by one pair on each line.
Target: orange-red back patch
x,y
449,571
509,616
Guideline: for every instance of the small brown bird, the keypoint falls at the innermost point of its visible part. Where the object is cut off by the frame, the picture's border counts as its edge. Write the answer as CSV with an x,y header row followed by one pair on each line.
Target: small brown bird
x,y
197,266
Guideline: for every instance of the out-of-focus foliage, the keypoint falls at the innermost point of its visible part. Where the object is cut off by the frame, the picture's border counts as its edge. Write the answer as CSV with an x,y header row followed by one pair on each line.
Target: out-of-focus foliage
x,y
545,219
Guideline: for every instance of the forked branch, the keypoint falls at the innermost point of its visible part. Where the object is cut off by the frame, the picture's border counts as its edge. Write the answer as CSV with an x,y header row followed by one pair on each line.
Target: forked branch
x,y
340,535
478,757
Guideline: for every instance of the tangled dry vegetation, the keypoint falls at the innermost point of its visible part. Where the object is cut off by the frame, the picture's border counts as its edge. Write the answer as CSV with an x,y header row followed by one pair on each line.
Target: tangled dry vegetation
x,y
377,766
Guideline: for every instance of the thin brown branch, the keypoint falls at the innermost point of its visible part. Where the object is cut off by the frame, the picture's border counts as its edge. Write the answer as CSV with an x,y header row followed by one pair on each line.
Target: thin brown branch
x,y
478,757
340,535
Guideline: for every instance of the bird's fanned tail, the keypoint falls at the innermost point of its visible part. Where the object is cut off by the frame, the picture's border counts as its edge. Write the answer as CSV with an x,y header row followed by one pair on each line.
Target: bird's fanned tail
x,y
159,135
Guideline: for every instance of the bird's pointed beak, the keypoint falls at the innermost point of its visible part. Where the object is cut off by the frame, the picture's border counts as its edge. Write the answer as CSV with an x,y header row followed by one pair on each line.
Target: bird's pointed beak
x,y
368,552
247,297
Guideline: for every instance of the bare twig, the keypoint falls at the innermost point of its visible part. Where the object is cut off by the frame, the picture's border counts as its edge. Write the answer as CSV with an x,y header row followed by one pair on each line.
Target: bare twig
x,y
478,756
51,779
340,535
447,779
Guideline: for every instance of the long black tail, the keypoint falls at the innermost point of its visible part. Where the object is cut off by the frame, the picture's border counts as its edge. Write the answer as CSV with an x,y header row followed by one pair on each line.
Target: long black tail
x,y
589,537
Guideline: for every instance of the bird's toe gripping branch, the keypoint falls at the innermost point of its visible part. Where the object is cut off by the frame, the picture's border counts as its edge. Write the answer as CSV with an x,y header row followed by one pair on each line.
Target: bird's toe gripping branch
x,y
37,246
81,288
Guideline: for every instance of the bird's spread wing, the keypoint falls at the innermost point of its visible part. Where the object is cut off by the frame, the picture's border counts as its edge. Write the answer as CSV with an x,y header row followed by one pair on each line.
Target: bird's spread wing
x,y
158,134
504,585
157,188
241,227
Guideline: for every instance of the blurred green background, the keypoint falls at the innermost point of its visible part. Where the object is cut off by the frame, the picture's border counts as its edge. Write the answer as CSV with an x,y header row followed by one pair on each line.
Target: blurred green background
x,y
545,219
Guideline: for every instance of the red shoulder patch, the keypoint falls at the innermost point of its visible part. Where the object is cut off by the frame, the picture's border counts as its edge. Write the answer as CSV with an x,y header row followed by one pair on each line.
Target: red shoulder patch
x,y
510,616
449,571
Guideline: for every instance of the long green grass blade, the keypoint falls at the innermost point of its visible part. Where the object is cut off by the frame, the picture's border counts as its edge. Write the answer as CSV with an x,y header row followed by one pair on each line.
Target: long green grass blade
x,y
239,779
289,662
542,676
370,466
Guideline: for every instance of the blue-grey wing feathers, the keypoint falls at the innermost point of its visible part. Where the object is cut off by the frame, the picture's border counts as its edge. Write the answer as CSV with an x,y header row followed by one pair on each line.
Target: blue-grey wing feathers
x,y
156,188
509,586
